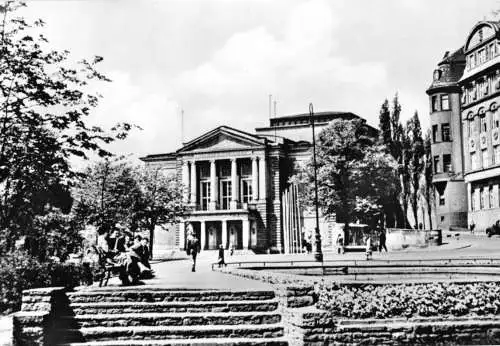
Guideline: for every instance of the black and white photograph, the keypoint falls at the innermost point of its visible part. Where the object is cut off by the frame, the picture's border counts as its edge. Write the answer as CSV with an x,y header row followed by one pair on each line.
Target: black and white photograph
x,y
249,172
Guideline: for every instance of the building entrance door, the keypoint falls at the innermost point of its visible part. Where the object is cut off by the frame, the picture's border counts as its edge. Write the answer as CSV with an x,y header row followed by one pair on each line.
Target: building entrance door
x,y
214,235
235,238
253,234
212,238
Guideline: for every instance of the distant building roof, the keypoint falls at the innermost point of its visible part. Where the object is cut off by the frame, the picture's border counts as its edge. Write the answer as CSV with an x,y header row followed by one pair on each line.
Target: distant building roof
x,y
449,71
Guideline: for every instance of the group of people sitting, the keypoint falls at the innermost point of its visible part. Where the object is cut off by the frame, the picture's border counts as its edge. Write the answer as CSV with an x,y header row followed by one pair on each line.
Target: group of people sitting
x,y
131,256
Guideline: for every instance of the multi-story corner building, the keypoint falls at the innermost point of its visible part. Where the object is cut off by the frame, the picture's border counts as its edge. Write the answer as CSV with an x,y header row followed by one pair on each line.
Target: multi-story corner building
x,y
236,184
446,128
464,98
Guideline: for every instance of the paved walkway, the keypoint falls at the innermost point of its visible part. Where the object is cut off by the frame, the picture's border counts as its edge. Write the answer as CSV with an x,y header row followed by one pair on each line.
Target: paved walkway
x,y
178,274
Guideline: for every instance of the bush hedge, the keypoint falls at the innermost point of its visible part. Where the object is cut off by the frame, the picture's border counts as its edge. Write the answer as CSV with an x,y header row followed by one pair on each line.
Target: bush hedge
x,y
20,271
409,300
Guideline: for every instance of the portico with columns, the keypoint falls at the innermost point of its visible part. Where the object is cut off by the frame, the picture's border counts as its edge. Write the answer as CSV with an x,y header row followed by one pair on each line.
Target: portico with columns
x,y
224,175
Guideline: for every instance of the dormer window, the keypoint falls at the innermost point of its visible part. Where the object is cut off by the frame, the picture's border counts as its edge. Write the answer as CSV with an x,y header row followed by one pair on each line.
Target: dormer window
x,y
437,74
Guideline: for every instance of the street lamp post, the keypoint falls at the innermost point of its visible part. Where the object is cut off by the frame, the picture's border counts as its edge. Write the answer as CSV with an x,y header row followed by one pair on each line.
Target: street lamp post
x,y
318,253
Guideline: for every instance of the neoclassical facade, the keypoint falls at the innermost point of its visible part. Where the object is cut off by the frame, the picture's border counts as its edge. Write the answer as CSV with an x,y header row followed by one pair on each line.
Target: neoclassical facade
x,y
464,99
235,183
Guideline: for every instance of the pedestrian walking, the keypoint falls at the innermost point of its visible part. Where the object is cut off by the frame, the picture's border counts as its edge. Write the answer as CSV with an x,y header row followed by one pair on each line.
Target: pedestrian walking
x,y
194,249
221,260
368,251
381,241
472,227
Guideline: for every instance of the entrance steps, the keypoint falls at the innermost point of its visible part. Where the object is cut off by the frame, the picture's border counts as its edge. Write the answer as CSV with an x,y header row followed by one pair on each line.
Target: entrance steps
x,y
154,316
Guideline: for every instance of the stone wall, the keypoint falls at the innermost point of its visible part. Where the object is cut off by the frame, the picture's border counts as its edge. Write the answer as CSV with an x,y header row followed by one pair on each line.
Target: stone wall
x,y
320,328
32,325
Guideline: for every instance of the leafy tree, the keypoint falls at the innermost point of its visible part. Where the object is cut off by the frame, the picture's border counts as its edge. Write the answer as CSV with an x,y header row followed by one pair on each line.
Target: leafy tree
x,y
385,124
391,136
161,200
354,174
43,108
377,181
139,198
107,194
428,188
416,161
397,130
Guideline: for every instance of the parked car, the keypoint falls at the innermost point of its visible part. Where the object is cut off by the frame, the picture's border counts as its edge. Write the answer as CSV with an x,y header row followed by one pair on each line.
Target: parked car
x,y
494,229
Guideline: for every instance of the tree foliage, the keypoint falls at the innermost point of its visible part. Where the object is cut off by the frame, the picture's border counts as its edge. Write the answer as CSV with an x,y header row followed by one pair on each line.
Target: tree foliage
x,y
416,162
44,105
113,191
108,193
355,174
428,189
161,200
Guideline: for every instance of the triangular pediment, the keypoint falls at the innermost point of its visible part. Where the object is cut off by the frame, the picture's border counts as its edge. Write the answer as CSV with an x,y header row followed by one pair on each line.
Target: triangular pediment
x,y
223,139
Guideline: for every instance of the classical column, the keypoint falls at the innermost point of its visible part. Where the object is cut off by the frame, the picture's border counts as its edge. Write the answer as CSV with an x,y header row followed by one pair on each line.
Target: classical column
x,y
255,180
246,233
262,178
203,236
185,181
213,186
182,235
224,233
193,183
234,185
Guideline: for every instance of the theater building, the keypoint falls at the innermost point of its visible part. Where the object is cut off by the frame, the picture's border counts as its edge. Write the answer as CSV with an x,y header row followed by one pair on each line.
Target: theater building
x,y
465,119
236,185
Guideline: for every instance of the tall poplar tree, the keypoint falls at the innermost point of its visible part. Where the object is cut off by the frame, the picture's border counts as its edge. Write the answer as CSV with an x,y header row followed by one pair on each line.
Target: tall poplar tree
x,y
428,188
416,162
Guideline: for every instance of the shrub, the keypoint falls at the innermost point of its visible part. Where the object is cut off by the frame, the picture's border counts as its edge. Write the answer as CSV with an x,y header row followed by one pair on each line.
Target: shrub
x,y
19,271
410,300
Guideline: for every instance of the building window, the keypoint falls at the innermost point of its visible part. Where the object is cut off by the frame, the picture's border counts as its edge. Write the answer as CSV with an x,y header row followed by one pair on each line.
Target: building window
x,y
445,102
482,198
496,119
446,163
474,161
204,195
246,190
473,126
436,164
496,152
484,124
435,106
472,59
490,197
225,194
481,56
442,200
434,133
445,132
485,157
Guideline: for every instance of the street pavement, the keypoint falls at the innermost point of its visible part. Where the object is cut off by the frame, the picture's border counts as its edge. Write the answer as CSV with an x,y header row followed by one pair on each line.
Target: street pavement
x,y
178,274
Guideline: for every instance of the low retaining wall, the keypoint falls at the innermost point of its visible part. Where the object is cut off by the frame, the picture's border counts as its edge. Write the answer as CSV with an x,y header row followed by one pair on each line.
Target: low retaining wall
x,y
292,292
400,239
320,328
33,324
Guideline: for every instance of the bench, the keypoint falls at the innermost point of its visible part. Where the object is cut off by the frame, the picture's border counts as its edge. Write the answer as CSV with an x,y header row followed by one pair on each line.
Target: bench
x,y
106,267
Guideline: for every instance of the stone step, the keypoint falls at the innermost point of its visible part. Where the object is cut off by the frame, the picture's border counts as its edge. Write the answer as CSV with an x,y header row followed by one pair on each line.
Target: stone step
x,y
145,307
189,342
163,295
169,332
169,319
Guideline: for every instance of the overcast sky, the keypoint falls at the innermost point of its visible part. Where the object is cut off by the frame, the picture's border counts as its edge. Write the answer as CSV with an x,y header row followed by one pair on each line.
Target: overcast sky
x,y
219,60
